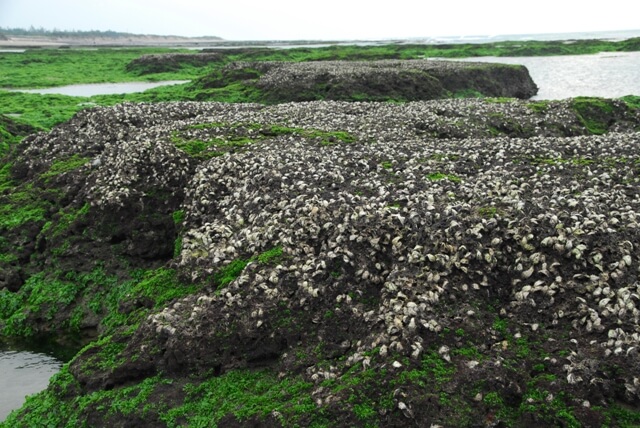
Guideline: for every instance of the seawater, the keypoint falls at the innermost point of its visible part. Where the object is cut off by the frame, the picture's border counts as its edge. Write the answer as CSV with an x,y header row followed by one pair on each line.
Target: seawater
x,y
23,373
91,89
606,74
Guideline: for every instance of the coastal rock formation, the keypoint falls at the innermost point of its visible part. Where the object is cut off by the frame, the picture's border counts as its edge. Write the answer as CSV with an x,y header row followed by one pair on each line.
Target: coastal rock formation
x,y
10,129
164,63
401,80
441,262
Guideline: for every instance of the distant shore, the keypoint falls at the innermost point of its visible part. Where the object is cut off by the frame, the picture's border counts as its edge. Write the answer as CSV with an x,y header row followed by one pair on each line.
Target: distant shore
x,y
8,41
134,40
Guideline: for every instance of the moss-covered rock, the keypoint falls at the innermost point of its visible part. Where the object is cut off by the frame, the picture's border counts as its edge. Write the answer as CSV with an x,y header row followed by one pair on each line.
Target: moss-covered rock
x,y
408,80
166,63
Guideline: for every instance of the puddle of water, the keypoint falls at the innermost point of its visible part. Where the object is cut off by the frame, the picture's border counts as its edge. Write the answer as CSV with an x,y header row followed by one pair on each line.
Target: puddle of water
x,y
26,370
23,373
89,90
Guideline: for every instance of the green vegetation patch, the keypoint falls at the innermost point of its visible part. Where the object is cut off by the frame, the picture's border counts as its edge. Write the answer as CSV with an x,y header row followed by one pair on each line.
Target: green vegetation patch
x,y
42,68
178,220
230,137
433,368
39,295
233,270
11,132
230,272
81,294
437,176
61,166
488,212
632,101
197,148
468,93
621,415
153,289
594,113
271,257
6,183
244,394
40,111
551,408
23,205
178,217
539,107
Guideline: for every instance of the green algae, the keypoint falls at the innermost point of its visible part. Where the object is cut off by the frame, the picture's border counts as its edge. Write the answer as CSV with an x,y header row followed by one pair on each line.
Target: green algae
x,y
237,136
245,394
594,113
438,176
65,165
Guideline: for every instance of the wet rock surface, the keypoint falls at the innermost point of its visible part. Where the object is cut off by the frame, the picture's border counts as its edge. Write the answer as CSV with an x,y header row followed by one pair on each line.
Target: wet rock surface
x,y
403,80
465,247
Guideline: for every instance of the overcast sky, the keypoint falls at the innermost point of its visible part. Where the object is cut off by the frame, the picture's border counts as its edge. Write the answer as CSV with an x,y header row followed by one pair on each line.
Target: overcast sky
x,y
324,19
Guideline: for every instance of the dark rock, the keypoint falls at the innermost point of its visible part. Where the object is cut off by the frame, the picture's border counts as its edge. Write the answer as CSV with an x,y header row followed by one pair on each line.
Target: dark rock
x,y
165,63
10,278
14,127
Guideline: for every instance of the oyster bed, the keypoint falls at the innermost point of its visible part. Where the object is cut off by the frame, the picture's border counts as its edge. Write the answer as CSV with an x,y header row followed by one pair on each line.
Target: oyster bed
x,y
408,238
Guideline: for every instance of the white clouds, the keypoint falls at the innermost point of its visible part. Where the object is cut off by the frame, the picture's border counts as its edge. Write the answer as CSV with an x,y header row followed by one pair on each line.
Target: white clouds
x,y
329,19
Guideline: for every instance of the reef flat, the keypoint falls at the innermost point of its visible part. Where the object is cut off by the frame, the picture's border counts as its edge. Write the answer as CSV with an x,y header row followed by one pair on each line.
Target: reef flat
x,y
451,262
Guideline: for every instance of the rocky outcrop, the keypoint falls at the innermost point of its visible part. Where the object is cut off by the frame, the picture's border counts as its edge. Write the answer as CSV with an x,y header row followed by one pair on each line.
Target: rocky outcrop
x,y
10,129
401,80
433,262
165,63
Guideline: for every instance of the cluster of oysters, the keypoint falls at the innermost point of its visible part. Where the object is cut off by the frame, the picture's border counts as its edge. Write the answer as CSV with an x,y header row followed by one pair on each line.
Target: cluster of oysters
x,y
394,225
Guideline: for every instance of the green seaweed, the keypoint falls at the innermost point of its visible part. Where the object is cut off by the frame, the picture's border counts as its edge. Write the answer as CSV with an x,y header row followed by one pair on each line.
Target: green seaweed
x,y
594,113
437,176
62,166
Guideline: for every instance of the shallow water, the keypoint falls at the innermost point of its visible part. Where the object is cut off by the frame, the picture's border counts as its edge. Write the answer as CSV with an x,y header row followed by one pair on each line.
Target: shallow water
x,y
23,373
607,74
89,90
